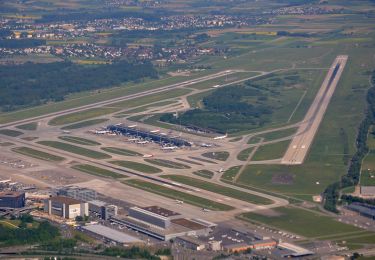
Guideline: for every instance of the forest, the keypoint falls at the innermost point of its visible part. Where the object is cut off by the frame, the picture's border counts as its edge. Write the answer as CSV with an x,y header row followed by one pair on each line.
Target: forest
x,y
226,110
32,84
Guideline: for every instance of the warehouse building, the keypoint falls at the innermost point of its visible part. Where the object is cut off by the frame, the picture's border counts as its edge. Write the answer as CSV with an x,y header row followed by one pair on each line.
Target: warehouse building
x,y
154,215
363,209
102,208
106,233
190,243
12,199
65,207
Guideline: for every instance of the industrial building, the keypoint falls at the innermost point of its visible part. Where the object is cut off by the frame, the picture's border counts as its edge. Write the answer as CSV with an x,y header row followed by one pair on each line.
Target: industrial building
x,y
155,137
363,209
102,208
154,215
106,233
77,193
190,243
11,199
65,207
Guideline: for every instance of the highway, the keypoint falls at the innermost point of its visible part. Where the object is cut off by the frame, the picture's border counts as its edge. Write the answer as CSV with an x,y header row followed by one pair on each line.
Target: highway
x,y
301,143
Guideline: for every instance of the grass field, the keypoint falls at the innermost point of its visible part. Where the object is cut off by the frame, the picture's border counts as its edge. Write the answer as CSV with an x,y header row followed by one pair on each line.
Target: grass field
x,y
93,170
75,149
121,151
6,144
299,221
221,156
271,151
232,193
141,167
82,115
368,170
38,154
167,164
10,132
177,195
231,173
254,140
29,127
78,140
278,134
244,154
84,124
204,173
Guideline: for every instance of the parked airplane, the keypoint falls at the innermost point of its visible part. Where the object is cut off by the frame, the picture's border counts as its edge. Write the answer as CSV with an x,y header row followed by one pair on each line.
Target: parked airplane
x,y
148,155
143,142
132,126
101,132
155,131
179,202
206,145
66,132
133,139
221,137
169,147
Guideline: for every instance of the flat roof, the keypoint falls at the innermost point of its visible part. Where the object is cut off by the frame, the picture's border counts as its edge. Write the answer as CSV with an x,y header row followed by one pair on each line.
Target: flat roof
x,y
111,234
294,249
161,211
188,223
65,200
10,194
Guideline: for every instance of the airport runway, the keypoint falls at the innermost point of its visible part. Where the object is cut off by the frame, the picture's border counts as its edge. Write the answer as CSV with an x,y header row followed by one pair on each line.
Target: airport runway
x,y
304,137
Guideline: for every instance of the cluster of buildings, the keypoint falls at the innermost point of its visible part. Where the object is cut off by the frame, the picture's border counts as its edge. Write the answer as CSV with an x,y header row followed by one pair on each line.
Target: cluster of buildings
x,y
305,10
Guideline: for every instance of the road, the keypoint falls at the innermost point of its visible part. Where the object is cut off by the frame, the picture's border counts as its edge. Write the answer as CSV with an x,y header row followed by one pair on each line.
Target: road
x,y
301,143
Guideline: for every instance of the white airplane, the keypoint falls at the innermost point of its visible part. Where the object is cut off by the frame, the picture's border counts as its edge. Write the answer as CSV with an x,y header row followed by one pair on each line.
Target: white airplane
x,y
148,156
132,126
169,147
216,86
206,145
142,142
133,139
221,137
205,210
221,170
101,132
155,131
179,202
66,132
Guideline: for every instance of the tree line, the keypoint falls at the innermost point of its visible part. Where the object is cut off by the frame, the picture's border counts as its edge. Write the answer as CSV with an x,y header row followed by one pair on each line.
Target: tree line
x,y
33,84
331,194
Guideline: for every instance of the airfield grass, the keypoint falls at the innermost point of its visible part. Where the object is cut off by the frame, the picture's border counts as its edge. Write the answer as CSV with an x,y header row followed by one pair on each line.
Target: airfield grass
x,y
121,151
254,140
178,195
4,144
38,154
236,139
204,173
221,156
93,170
78,140
226,191
29,127
188,161
168,164
82,115
278,134
299,221
368,170
231,173
141,167
10,132
143,108
75,149
271,151
244,154
202,160
85,124
324,163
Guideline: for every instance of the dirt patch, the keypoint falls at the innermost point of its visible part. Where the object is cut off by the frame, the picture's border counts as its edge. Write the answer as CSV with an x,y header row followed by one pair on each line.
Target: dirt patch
x,y
283,178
